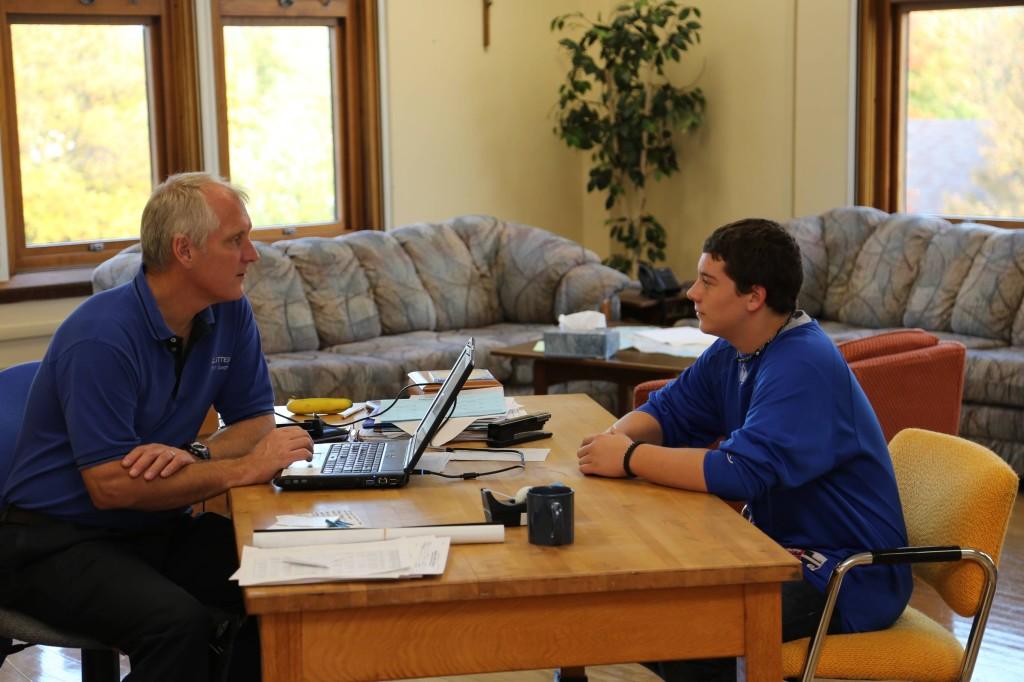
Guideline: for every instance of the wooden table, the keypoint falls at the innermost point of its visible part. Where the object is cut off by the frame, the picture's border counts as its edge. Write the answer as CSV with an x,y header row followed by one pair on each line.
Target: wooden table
x,y
627,368
654,574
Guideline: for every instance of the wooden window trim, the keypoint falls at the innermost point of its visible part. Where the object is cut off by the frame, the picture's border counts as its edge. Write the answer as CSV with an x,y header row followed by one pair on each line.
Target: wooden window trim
x,y
175,106
881,91
63,270
357,119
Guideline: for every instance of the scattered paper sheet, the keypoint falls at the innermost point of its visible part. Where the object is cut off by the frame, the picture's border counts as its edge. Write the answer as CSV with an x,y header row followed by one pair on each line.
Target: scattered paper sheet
x,y
678,336
471,455
325,518
475,403
387,560
473,533
433,461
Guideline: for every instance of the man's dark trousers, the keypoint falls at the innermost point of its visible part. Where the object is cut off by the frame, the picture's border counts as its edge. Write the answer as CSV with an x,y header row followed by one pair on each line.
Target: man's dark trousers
x,y
162,595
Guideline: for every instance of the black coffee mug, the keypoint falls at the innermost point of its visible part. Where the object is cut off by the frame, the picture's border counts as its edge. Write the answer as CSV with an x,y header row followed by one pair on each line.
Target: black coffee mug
x,y
549,515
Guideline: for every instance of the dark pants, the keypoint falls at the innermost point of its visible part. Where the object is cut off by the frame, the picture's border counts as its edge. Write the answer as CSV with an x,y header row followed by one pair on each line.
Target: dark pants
x,y
801,611
162,596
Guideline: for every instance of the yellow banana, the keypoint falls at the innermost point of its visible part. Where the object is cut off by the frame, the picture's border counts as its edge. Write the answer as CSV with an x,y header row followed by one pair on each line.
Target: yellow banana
x,y
318,405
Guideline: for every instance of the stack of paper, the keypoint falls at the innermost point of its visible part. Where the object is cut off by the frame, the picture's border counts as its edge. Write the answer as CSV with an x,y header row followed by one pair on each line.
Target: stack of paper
x,y
407,557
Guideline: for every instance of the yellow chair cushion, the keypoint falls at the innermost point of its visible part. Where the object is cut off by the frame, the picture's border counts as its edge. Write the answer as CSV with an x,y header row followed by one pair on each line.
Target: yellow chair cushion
x,y
915,648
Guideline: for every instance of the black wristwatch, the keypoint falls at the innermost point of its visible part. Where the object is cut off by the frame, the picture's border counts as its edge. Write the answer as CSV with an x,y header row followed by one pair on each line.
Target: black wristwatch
x,y
199,450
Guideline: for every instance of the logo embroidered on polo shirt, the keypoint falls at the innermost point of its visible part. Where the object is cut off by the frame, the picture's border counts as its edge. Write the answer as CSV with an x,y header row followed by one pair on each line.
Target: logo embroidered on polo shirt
x,y
813,560
220,362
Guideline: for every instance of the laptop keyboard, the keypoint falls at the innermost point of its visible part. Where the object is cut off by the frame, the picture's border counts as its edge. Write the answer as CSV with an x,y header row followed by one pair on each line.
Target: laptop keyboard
x,y
354,458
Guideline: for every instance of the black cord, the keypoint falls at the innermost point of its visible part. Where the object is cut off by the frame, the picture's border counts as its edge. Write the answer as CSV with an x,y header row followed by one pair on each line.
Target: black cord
x,y
469,475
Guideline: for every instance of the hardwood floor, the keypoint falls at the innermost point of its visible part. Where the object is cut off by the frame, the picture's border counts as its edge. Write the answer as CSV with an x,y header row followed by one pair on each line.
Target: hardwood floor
x,y
1001,659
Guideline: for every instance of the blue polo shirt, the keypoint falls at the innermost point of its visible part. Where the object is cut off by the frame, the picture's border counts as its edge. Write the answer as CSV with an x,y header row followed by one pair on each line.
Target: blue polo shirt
x,y
803,447
109,382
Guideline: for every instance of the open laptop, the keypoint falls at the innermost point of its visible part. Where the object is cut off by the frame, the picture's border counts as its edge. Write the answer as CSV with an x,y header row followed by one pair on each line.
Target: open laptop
x,y
378,464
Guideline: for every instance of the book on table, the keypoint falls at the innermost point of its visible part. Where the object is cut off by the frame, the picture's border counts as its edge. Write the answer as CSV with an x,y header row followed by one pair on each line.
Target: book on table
x,y
432,379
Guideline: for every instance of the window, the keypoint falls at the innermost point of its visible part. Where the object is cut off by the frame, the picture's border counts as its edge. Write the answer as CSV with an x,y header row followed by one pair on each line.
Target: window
x,y
941,109
102,102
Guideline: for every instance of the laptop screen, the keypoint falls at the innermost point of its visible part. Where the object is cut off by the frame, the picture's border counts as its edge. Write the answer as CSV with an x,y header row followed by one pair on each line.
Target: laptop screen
x,y
442,403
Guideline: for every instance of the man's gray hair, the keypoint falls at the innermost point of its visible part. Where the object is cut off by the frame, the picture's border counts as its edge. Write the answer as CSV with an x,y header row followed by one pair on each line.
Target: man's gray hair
x,y
178,206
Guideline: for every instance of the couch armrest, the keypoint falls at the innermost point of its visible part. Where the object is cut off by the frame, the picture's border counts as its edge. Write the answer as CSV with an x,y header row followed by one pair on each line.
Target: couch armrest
x,y
586,287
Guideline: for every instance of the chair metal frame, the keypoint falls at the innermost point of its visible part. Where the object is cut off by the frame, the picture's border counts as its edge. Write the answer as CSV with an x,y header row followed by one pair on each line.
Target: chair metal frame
x,y
909,555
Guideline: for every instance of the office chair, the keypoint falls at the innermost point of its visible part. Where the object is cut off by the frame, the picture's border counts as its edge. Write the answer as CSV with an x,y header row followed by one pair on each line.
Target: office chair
x,y
957,497
99,662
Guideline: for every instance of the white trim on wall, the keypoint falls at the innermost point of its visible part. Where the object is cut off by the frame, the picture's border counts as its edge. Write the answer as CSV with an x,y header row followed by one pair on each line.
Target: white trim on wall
x,y
385,117
207,86
5,272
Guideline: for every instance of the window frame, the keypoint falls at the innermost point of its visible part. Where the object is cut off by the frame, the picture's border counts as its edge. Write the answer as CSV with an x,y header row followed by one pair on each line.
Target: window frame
x,y
881,98
177,119
356,114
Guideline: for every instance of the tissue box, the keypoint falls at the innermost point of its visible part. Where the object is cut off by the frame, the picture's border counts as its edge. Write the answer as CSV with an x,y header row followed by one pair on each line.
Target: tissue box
x,y
595,343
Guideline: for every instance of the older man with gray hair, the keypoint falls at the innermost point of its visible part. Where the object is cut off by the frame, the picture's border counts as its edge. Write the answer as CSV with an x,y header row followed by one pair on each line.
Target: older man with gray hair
x,y
96,509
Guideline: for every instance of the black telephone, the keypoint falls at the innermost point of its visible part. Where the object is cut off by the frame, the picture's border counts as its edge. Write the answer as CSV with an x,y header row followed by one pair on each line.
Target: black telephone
x,y
658,282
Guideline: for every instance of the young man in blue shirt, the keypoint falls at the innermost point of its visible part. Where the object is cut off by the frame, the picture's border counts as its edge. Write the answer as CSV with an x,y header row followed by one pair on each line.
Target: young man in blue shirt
x,y
95,529
800,443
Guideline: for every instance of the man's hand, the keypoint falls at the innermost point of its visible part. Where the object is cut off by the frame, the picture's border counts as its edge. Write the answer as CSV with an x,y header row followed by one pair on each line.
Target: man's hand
x,y
277,450
602,454
155,459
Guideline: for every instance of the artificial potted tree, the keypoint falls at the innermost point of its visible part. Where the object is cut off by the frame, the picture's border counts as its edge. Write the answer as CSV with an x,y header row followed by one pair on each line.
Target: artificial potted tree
x,y
618,103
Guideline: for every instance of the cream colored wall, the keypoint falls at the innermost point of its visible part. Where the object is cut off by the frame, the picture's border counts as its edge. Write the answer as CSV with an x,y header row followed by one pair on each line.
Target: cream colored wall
x,y
26,328
471,130
776,139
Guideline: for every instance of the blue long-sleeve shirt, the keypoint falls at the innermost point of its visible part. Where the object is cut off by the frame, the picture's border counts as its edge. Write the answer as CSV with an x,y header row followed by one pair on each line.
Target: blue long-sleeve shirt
x,y
803,448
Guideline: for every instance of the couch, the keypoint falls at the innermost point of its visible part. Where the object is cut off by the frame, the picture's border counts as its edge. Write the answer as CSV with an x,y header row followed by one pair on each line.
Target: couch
x,y
351,315
867,271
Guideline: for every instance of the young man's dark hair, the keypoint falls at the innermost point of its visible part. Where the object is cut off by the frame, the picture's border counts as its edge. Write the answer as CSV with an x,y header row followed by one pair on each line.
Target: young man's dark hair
x,y
760,252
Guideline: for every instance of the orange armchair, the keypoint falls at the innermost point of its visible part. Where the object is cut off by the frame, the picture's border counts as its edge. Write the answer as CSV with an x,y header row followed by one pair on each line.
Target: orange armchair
x,y
910,377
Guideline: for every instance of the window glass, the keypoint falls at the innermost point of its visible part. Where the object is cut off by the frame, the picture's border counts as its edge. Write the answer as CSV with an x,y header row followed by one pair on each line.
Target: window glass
x,y
965,112
85,150
281,133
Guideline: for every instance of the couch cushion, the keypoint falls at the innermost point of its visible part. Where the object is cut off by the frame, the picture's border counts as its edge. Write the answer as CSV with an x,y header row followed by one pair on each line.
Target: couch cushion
x,y
320,373
943,270
531,263
840,331
990,297
463,291
979,342
403,303
337,289
995,376
808,235
844,231
117,270
410,351
497,336
885,270
586,287
279,303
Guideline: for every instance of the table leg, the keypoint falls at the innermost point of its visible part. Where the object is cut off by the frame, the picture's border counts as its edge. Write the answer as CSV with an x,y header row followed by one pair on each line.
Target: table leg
x,y
763,632
281,647
540,377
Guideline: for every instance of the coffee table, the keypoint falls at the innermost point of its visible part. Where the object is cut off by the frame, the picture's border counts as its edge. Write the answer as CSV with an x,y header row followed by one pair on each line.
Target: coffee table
x,y
627,368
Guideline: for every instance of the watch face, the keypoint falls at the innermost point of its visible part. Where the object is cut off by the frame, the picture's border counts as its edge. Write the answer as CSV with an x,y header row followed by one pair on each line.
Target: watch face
x,y
199,450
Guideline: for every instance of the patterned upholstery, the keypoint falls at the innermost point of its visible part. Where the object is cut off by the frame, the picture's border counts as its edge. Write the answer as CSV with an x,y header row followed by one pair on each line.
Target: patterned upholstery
x,y
352,315
953,493
867,272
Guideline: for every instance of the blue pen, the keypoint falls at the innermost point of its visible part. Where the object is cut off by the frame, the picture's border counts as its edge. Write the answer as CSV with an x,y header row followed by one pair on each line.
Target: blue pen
x,y
337,523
